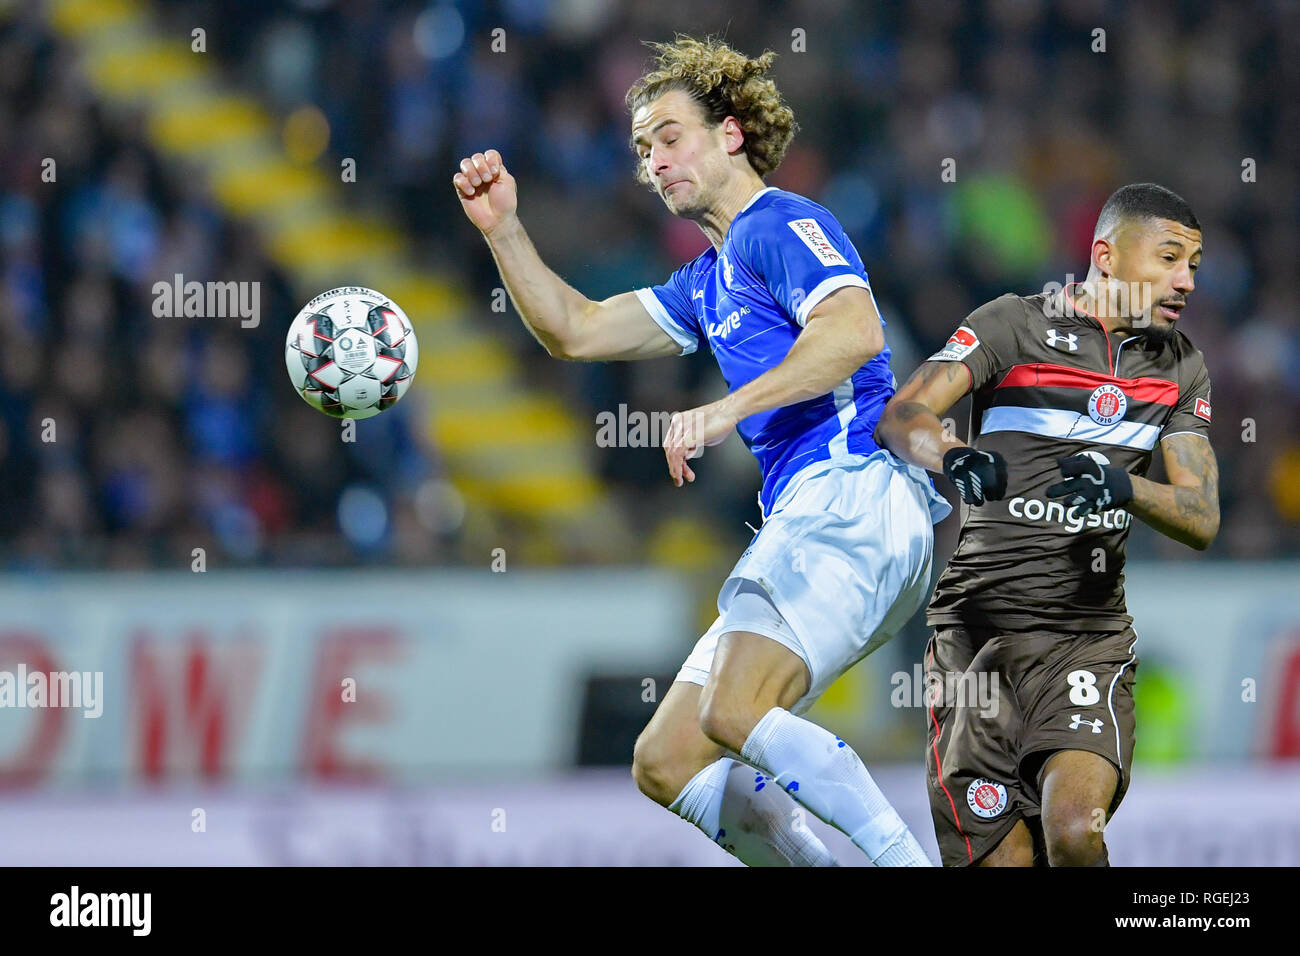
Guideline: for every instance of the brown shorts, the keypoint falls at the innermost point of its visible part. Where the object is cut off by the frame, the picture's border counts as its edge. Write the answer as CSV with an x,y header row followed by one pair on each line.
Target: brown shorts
x,y
998,705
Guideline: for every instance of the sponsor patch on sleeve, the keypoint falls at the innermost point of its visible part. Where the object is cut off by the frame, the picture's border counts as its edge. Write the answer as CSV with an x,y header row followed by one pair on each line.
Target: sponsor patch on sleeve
x,y
815,239
959,345
1202,409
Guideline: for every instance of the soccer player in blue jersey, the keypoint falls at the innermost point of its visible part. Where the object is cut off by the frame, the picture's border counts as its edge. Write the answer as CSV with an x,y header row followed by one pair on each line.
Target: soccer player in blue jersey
x,y
843,558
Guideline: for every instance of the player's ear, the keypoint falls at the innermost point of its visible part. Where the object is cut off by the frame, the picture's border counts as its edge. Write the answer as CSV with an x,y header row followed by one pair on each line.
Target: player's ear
x,y
1103,256
733,134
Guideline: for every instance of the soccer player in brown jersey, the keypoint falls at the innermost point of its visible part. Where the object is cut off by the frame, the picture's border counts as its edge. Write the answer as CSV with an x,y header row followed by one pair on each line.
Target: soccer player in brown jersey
x,y
1071,392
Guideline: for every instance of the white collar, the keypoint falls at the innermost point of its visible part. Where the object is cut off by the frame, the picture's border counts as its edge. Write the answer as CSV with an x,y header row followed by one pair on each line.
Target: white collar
x,y
753,199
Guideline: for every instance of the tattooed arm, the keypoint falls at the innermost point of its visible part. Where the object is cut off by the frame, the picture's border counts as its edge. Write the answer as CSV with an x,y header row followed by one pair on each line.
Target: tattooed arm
x,y
910,426
1186,509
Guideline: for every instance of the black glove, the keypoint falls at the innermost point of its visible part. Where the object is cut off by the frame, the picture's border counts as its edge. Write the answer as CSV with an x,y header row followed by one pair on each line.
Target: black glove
x,y
980,476
1091,486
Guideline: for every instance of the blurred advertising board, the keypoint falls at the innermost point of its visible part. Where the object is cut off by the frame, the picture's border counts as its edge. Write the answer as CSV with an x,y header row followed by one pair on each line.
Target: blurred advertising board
x,y
1219,652
409,676
327,675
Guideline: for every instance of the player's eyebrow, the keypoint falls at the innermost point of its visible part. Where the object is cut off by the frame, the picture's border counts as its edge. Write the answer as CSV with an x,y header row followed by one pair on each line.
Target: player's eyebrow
x,y
638,140
1179,246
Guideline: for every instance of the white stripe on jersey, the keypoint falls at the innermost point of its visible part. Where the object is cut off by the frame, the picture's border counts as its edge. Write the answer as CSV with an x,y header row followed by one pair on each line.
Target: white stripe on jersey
x,y
846,406
846,409
1110,694
825,288
1056,423
665,321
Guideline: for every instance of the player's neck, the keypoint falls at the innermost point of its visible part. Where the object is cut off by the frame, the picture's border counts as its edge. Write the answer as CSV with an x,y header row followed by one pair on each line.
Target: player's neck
x,y
1084,297
732,198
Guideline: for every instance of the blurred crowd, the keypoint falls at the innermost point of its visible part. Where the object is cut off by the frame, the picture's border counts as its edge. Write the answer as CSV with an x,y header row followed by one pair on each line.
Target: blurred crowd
x,y
130,440
171,433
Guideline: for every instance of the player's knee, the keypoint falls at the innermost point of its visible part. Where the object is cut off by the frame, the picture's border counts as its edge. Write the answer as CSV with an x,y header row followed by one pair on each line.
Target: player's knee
x,y
1071,839
652,769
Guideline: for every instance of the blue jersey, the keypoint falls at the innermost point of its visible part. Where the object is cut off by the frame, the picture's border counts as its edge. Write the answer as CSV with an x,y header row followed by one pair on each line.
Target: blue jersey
x,y
748,302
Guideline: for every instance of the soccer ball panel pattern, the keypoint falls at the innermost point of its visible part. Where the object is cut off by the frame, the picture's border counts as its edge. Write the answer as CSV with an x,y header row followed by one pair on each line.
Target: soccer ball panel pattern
x,y
351,353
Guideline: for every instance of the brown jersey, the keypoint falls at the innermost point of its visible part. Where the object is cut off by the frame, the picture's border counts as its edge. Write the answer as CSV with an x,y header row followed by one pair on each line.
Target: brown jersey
x,y
1047,382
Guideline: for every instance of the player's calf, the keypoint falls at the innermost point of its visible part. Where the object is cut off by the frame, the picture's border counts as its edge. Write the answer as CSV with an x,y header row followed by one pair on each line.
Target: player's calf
x,y
751,674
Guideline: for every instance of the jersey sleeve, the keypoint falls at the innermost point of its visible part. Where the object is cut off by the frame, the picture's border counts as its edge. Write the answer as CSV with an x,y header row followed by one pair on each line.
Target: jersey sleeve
x,y
1192,414
985,342
673,309
801,256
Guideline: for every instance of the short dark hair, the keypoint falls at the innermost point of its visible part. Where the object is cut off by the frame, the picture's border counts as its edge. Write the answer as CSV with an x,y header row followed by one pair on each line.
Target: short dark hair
x,y
1144,201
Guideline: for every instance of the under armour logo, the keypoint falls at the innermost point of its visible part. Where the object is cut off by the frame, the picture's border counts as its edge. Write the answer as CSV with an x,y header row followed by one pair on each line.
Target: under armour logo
x,y
1056,340
1077,721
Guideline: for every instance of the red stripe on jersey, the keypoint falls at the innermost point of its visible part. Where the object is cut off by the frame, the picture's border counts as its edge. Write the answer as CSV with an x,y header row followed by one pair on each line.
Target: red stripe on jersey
x,y
1042,375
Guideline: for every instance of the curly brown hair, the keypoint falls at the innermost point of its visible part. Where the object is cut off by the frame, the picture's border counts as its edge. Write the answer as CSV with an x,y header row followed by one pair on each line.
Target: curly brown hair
x,y
724,83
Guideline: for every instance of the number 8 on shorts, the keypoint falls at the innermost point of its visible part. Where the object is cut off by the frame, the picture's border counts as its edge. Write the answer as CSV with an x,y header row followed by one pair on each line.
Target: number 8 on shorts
x,y
1083,688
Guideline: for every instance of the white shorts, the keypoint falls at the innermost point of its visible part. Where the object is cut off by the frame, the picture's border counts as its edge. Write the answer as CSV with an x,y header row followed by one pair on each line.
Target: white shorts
x,y
844,560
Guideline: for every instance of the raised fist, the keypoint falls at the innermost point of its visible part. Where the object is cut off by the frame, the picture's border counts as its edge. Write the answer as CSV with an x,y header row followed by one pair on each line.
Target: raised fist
x,y
486,191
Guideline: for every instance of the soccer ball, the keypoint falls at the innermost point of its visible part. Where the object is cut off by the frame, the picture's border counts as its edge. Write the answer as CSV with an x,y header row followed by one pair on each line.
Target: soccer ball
x,y
351,352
